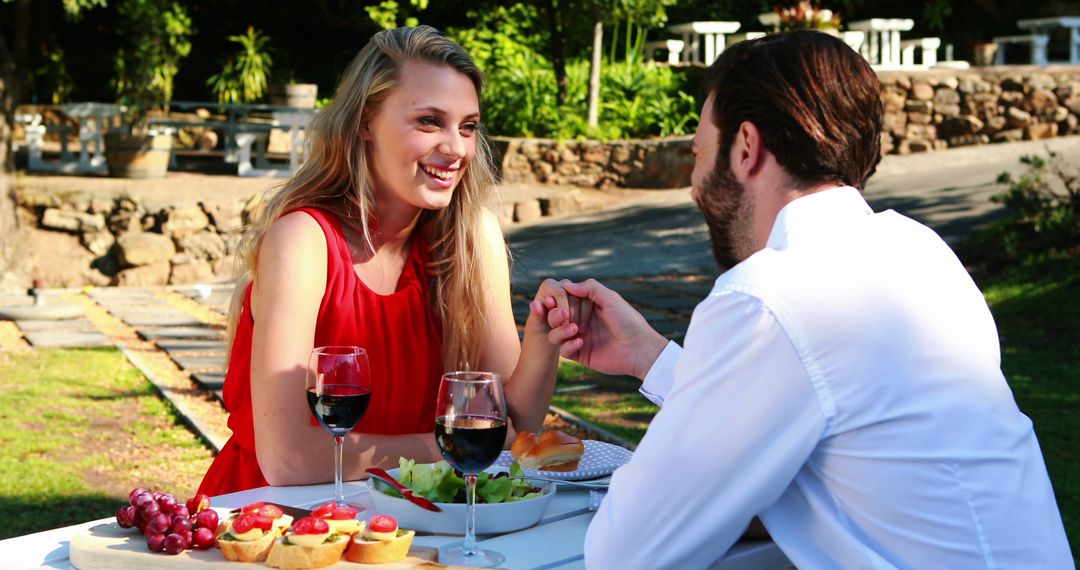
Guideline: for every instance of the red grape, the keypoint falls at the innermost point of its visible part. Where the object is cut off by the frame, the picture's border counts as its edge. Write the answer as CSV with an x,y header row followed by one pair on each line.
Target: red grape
x,y
203,538
125,516
167,502
174,544
134,494
155,542
207,519
180,511
147,509
188,537
180,524
159,523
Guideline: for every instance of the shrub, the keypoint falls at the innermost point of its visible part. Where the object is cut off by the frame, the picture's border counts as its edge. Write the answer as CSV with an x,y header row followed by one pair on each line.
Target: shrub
x,y
1042,216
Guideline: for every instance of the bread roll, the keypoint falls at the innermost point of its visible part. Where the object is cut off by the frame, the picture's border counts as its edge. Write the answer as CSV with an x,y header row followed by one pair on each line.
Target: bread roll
x,y
380,551
553,450
285,555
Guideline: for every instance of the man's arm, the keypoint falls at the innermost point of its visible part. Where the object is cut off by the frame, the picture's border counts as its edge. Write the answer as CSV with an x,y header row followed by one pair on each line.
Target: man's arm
x,y
741,419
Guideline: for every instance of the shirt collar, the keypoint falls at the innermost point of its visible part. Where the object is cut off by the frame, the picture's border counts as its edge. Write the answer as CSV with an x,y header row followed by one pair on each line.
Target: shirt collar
x,y
815,208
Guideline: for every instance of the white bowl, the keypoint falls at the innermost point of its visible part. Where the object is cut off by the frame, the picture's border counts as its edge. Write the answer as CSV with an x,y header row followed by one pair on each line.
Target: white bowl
x,y
491,518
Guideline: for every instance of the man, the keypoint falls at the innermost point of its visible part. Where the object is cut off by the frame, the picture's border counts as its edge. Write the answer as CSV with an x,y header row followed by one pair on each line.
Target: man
x,y
841,381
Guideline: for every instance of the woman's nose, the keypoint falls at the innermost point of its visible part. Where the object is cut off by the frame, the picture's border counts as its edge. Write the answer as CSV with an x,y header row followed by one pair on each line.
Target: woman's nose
x,y
453,144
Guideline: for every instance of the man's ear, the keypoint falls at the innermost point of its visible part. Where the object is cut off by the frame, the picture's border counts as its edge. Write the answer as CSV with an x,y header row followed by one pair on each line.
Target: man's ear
x,y
747,151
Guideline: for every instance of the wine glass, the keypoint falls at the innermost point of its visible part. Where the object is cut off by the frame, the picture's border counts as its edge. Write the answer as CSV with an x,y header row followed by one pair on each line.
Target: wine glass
x,y
470,428
338,391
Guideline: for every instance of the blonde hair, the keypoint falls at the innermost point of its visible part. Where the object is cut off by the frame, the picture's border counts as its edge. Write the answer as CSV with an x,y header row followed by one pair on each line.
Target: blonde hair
x,y
336,176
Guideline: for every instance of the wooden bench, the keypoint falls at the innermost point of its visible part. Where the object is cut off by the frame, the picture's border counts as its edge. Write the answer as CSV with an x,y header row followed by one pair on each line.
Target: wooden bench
x,y
1036,42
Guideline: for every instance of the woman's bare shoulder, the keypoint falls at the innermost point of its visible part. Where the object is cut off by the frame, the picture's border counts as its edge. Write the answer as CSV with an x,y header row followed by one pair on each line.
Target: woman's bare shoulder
x,y
295,229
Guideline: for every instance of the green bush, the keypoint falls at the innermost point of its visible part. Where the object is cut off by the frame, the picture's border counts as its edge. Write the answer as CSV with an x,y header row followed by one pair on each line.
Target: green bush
x,y
1042,217
639,100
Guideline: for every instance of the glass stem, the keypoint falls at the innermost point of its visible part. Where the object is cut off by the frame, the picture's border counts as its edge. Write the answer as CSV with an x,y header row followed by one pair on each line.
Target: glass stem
x,y
469,546
339,492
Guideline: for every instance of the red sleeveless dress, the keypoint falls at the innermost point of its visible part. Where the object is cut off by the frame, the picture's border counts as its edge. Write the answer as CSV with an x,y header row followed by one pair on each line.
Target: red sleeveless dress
x,y
400,332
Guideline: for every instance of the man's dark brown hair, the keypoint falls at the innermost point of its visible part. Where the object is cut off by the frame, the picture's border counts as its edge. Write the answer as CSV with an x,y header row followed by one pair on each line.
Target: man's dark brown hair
x,y
815,101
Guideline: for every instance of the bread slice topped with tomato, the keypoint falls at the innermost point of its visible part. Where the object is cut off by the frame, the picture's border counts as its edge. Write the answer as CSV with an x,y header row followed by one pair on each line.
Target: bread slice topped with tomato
x,y
247,535
340,518
311,542
381,542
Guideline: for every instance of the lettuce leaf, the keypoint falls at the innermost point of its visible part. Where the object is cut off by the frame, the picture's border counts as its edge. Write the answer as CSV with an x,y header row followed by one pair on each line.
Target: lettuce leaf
x,y
439,482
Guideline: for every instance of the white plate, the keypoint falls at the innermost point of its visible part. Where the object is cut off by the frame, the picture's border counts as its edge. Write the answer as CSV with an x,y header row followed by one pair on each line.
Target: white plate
x,y
492,518
599,460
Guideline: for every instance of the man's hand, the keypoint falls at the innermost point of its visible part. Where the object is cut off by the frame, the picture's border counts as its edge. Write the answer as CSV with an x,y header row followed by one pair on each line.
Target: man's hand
x,y
611,336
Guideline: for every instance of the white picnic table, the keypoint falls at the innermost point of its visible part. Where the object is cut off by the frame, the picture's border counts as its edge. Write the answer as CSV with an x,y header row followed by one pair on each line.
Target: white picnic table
x,y
882,44
1041,27
711,34
556,542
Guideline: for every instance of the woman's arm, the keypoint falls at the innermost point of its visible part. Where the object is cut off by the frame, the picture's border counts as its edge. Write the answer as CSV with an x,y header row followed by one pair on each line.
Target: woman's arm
x,y
288,290
528,368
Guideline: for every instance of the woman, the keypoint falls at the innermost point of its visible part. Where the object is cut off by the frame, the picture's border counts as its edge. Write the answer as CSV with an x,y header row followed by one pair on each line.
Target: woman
x,y
380,240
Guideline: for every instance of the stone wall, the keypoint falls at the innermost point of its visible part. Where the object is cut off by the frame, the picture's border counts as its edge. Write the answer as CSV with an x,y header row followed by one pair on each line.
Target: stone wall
x,y
924,111
102,239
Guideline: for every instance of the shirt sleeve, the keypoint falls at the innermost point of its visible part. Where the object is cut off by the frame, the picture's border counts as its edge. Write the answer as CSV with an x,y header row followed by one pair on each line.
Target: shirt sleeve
x,y
739,421
657,382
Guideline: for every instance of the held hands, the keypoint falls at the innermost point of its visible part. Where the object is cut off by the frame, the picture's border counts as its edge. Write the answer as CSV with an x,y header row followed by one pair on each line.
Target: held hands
x,y
596,327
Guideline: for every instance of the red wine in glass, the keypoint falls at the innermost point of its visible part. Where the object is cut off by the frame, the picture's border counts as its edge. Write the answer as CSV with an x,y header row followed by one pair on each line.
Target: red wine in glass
x,y
470,429
470,443
338,390
339,408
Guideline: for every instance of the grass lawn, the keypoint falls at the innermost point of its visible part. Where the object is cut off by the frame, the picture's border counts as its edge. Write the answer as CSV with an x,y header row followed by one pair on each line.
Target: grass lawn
x,y
1038,318
78,430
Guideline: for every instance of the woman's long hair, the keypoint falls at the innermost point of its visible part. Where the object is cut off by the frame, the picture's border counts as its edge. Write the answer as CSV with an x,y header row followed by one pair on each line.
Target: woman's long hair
x,y
336,177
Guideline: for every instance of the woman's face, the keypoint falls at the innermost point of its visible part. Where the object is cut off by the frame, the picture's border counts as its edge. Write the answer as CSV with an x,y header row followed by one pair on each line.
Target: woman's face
x,y
422,137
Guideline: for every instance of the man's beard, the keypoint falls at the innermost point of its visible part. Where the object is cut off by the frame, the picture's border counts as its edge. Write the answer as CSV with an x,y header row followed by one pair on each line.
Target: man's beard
x,y
728,213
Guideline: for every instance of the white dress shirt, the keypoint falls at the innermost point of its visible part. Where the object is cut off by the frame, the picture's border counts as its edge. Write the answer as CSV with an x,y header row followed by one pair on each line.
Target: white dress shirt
x,y
843,384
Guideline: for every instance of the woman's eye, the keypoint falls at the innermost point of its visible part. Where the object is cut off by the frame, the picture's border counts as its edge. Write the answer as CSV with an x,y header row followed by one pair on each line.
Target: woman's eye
x,y
469,128
429,121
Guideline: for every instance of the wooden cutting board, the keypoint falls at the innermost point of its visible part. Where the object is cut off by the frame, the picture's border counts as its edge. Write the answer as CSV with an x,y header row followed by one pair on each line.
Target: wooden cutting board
x,y
109,547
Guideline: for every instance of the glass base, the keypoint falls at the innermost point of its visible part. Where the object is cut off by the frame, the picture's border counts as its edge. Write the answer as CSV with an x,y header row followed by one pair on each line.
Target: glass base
x,y
479,559
360,507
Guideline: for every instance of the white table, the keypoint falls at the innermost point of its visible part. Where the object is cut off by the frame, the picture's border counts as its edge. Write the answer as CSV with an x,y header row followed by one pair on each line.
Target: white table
x,y
1043,27
709,33
93,118
882,45
556,542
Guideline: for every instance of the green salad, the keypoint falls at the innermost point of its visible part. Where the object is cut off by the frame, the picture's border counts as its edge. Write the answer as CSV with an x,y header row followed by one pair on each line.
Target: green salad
x,y
439,483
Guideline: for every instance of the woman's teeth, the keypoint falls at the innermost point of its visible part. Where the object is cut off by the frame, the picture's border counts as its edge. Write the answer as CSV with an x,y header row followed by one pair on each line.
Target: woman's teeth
x,y
437,172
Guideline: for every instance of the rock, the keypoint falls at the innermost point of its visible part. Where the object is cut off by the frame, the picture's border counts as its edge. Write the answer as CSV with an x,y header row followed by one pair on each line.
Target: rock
x,y
1039,131
920,118
203,245
922,91
947,110
595,153
965,125
1008,135
527,211
946,97
145,276
184,221
920,132
1014,84
145,248
895,122
1060,114
1043,103
971,85
195,271
893,100
1041,81
55,219
620,153
1073,104
919,106
98,242
1068,126
914,145
225,215
100,206
965,140
995,124
1017,117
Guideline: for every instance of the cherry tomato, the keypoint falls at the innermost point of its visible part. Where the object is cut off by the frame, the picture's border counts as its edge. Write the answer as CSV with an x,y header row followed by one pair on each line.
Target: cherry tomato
x,y
382,523
243,523
325,510
310,525
263,522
